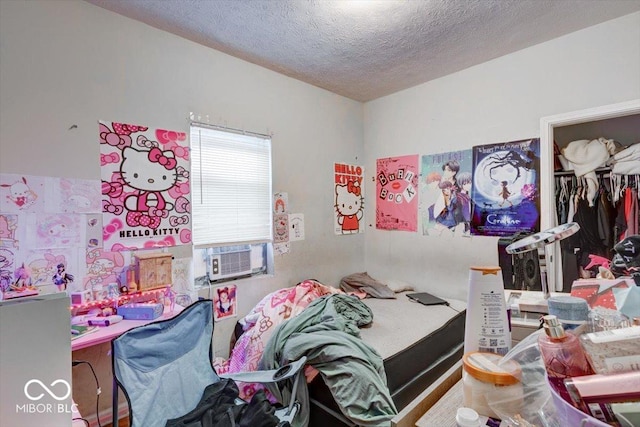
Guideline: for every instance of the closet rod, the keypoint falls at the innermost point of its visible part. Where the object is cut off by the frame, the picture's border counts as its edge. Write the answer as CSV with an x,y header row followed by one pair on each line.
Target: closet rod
x,y
569,173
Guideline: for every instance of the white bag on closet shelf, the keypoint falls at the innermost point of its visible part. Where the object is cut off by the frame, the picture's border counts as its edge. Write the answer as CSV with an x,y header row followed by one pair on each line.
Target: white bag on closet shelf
x,y
586,156
627,161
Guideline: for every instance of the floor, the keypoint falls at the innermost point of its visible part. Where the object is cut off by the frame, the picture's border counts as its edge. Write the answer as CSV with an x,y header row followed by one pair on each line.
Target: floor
x,y
121,423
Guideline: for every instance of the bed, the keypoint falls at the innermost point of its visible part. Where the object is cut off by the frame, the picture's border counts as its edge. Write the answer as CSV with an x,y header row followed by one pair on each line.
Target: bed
x,y
418,344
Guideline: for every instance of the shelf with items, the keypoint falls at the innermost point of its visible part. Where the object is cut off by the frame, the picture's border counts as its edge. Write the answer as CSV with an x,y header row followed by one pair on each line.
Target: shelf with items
x,y
148,296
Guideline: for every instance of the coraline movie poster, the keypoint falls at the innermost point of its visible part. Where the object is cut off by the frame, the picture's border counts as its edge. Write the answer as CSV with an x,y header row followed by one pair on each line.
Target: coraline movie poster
x,y
506,188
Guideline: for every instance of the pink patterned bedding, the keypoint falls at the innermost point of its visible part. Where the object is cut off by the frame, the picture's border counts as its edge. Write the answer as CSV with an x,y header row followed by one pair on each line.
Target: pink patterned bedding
x,y
260,323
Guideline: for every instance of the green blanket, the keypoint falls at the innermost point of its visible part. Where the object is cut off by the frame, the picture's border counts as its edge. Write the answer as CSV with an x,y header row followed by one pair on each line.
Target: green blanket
x,y
327,333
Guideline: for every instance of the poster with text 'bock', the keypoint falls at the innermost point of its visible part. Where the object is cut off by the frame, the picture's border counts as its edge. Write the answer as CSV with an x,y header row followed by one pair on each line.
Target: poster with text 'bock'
x,y
396,191
506,188
145,187
348,193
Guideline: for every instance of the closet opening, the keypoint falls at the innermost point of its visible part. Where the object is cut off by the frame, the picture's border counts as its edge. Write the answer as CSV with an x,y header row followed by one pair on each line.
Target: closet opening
x,y
620,122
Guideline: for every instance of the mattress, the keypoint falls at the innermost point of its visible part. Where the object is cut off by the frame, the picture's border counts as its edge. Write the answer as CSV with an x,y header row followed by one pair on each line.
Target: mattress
x,y
418,344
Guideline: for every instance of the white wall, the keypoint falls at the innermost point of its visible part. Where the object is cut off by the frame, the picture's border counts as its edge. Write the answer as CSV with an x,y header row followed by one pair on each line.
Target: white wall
x,y
67,62
500,100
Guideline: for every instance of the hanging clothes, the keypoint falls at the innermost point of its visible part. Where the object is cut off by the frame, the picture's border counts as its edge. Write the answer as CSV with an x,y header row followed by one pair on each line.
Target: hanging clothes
x,y
612,215
631,211
606,217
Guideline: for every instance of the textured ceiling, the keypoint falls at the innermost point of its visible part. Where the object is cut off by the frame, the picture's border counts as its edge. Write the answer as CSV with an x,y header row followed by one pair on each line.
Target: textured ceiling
x,y
365,49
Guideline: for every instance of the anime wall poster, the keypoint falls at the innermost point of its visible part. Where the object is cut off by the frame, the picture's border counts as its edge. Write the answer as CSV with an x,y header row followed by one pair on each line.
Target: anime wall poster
x,y
145,187
506,188
348,194
46,224
281,244
56,230
224,302
445,193
9,231
21,193
396,191
72,195
280,228
104,267
55,270
182,278
280,203
296,227
7,267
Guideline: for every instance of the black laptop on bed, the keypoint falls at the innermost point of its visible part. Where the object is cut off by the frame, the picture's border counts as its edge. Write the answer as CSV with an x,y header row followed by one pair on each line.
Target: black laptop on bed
x,y
427,299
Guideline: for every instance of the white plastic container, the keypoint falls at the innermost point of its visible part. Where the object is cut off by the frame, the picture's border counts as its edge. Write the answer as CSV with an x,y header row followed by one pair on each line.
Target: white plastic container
x,y
482,378
487,324
467,417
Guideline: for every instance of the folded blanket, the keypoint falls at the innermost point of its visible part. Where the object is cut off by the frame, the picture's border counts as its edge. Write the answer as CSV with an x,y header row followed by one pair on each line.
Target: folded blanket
x,y
362,282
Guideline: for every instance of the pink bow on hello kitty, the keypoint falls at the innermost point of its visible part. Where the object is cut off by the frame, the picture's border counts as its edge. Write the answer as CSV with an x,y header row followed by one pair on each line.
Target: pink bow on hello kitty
x,y
177,220
353,187
157,156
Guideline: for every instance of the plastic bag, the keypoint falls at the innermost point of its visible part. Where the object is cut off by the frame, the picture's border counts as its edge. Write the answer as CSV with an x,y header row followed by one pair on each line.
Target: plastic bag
x,y
536,407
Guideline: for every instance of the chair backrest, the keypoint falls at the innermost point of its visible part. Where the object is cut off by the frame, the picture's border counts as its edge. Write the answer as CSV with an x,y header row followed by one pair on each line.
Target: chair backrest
x,y
163,367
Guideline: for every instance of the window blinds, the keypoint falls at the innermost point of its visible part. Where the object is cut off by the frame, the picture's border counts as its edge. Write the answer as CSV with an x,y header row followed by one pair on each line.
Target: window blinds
x,y
231,194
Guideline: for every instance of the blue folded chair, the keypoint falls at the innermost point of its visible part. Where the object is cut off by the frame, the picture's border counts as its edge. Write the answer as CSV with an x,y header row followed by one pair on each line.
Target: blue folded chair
x,y
163,368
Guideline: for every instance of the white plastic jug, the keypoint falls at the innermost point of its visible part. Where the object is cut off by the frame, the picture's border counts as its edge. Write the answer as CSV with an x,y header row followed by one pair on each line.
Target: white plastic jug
x,y
487,323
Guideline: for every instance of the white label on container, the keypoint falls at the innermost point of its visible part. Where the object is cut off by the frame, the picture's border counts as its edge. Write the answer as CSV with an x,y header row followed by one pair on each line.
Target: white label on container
x,y
493,327
622,363
614,335
493,309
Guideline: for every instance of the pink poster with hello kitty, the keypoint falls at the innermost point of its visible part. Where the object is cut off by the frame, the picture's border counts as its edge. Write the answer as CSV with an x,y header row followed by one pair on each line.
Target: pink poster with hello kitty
x,y
348,199
146,199
396,191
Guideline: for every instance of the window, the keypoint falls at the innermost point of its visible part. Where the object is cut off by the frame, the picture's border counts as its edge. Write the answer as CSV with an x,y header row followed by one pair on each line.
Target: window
x,y
231,201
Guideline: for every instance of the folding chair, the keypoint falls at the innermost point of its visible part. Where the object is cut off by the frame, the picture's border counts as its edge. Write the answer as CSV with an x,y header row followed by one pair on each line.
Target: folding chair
x,y
163,368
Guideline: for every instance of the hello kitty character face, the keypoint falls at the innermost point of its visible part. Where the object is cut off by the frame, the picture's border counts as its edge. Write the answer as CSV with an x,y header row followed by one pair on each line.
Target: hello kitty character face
x,y
348,199
349,206
149,170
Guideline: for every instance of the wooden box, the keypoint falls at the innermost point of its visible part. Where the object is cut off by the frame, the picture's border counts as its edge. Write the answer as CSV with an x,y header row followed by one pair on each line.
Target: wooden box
x,y
153,270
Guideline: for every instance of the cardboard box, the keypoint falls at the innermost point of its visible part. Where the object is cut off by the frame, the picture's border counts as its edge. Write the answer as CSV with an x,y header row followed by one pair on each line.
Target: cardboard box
x,y
141,311
153,270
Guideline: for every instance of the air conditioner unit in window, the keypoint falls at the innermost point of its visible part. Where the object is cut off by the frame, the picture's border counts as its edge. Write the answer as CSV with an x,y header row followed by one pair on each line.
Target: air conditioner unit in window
x,y
229,262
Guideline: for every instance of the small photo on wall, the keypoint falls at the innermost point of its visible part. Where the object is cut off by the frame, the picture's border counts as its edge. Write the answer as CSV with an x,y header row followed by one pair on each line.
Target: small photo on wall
x,y
224,302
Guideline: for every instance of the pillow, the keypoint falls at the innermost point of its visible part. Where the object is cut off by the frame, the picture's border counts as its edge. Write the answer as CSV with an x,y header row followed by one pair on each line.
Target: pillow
x,y
362,282
398,286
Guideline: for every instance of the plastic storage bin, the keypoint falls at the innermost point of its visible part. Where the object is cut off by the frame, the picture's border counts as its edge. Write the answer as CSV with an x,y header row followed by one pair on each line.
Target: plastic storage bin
x,y
568,415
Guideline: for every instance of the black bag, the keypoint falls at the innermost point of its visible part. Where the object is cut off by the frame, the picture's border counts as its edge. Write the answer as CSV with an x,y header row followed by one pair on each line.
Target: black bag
x,y
218,408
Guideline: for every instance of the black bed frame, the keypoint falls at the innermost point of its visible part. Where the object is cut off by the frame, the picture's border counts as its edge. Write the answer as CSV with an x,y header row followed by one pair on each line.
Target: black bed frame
x,y
408,373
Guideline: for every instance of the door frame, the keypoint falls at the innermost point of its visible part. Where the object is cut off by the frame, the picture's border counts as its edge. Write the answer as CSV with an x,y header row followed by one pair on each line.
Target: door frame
x,y
547,201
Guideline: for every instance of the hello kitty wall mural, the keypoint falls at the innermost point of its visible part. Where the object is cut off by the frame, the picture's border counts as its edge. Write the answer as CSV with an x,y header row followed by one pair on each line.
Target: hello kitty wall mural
x,y
146,199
